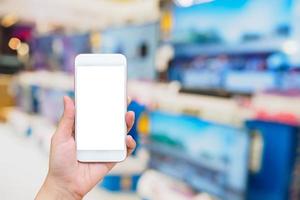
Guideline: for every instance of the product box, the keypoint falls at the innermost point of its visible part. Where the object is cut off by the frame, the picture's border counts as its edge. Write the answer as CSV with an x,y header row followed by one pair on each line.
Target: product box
x,y
6,99
158,186
125,175
273,168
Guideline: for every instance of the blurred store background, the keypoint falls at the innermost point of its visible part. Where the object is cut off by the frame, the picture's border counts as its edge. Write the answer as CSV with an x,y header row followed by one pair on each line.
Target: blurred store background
x,y
215,87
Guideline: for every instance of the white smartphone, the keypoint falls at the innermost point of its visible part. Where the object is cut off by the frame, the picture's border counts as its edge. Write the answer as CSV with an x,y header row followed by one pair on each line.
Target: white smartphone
x,y
101,104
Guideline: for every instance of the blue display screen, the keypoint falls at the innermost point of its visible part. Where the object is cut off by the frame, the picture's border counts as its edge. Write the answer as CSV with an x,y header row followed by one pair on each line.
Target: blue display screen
x,y
209,157
260,17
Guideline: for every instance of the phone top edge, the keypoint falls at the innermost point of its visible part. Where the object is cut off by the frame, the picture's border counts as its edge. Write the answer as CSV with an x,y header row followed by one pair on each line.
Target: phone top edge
x,y
100,59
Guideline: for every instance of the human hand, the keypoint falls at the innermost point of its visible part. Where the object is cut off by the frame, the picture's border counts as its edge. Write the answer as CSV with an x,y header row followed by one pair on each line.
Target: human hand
x,y
68,178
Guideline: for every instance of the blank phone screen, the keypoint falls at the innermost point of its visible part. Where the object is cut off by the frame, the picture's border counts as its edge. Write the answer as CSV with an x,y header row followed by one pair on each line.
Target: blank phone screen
x,y
100,107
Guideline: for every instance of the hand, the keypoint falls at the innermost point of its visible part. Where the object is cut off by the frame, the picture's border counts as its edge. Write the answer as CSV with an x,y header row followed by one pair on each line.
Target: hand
x,y
68,178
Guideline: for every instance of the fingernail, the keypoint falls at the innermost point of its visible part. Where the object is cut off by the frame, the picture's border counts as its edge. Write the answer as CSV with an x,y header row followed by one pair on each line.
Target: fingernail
x,y
131,113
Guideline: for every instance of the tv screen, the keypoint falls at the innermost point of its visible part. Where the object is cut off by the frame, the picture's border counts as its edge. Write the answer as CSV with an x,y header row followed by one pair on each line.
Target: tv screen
x,y
209,157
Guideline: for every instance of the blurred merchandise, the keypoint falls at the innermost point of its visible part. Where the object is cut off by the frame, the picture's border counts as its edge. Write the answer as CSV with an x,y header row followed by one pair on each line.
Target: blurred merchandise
x,y
42,92
158,186
138,44
58,51
119,183
138,110
278,107
32,126
15,41
10,64
248,82
125,176
6,99
291,81
4,113
230,20
234,68
168,98
165,150
208,157
282,141
215,87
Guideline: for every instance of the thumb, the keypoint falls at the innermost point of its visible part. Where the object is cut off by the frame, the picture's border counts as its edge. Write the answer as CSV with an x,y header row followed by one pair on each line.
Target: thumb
x,y
66,125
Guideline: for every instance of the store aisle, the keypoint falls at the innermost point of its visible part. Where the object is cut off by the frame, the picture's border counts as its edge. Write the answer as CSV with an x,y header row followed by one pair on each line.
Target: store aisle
x,y
23,167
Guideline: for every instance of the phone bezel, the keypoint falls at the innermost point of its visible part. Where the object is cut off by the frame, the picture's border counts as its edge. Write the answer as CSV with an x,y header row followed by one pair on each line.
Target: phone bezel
x,y
101,60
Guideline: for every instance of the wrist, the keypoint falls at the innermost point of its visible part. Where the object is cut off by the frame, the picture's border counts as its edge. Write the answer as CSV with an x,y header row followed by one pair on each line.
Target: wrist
x,y
52,189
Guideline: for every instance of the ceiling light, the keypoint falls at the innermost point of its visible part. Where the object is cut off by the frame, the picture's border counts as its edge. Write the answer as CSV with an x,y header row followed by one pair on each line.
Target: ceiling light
x,y
290,47
9,20
188,3
14,43
23,50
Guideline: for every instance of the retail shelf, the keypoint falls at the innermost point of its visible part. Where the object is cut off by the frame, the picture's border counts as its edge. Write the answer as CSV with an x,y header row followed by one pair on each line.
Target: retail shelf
x,y
213,92
10,64
199,174
255,47
180,154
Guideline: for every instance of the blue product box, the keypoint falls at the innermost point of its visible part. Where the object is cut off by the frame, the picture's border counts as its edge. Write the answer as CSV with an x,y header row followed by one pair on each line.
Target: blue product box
x,y
279,153
120,182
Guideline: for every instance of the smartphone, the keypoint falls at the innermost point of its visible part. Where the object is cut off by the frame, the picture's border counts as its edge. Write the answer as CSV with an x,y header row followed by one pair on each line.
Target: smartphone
x,y
101,104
